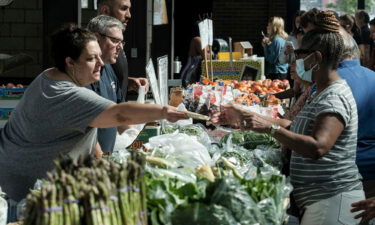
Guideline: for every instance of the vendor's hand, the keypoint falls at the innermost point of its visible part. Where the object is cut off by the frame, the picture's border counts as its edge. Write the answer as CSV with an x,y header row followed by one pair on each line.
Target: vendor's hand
x,y
98,153
368,206
172,115
266,41
135,83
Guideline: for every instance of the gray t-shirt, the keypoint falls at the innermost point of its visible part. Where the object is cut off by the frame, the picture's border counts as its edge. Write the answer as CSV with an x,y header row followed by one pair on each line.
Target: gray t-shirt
x,y
51,119
335,172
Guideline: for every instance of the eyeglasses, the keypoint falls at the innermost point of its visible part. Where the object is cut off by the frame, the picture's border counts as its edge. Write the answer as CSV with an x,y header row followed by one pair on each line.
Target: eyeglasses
x,y
114,40
299,52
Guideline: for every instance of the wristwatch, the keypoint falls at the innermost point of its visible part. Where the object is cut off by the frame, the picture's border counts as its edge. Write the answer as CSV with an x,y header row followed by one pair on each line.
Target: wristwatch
x,y
274,127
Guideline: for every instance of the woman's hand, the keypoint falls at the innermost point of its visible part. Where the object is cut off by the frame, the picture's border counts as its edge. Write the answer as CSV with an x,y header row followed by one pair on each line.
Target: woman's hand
x,y
266,41
135,83
368,206
228,115
172,115
255,122
235,116
288,50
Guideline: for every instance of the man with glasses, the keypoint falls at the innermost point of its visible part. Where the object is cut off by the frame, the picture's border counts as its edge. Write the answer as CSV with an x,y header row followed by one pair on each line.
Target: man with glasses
x,y
120,9
108,30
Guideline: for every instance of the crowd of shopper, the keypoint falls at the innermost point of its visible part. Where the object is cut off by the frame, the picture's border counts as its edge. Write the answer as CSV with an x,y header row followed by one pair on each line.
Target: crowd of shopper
x,y
330,128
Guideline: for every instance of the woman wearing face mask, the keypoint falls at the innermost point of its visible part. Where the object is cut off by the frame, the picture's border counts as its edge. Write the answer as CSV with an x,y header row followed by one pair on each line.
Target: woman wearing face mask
x,y
322,136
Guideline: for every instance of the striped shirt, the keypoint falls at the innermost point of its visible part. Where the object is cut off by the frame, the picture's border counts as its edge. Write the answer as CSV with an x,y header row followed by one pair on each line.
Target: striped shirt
x,y
335,172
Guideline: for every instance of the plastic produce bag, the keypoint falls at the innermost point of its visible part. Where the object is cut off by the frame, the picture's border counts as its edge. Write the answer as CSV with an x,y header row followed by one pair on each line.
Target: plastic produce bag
x,y
271,156
187,151
3,209
197,131
120,156
250,139
128,136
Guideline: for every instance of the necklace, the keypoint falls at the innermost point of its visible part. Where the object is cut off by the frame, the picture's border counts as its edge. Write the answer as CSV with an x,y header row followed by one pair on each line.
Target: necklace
x,y
72,77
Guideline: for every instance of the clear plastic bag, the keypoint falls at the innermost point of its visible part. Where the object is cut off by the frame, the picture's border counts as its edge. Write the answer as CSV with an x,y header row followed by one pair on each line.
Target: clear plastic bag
x,y
3,209
187,151
129,135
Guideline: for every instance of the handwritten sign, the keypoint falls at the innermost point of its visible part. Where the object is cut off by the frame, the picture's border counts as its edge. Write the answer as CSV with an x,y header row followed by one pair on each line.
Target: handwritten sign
x,y
151,76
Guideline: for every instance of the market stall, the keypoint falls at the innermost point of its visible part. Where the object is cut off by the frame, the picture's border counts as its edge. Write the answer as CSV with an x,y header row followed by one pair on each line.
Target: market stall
x,y
183,174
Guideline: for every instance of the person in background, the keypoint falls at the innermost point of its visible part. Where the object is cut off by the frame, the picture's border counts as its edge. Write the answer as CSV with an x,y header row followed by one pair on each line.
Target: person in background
x,y
296,35
361,81
66,113
347,21
368,210
273,45
120,9
293,40
287,56
108,31
362,19
323,135
308,20
372,35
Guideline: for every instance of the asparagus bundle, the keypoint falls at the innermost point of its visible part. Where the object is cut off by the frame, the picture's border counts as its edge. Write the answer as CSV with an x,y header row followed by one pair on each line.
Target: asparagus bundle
x,y
92,192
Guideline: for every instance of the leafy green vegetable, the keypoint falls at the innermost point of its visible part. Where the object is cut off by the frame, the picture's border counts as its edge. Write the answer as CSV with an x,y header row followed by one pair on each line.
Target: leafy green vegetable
x,y
230,194
201,214
250,139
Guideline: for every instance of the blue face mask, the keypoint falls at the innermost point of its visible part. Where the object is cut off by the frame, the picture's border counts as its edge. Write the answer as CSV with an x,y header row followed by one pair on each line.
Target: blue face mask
x,y
301,72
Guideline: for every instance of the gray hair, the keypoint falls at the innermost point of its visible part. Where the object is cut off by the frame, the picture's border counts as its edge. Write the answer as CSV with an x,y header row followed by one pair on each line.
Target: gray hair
x,y
350,46
102,23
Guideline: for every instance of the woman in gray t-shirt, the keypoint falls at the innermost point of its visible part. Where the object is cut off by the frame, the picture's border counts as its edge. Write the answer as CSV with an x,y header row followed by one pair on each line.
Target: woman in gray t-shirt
x,y
58,115
323,135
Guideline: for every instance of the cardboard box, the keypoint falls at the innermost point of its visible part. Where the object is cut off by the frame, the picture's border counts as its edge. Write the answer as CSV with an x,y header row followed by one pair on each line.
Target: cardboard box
x,y
243,47
226,56
148,132
11,93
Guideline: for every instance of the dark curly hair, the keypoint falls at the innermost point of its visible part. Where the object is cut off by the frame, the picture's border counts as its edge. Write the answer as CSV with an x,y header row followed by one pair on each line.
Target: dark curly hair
x,y
69,41
309,17
325,38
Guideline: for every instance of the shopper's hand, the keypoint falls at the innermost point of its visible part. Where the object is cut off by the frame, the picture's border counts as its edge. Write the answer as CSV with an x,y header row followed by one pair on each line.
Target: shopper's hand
x,y
368,206
253,121
228,115
266,41
172,115
288,50
135,83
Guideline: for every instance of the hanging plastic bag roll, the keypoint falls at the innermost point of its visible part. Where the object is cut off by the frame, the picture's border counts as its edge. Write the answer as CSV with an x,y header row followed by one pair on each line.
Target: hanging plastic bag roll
x,y
3,209
128,136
